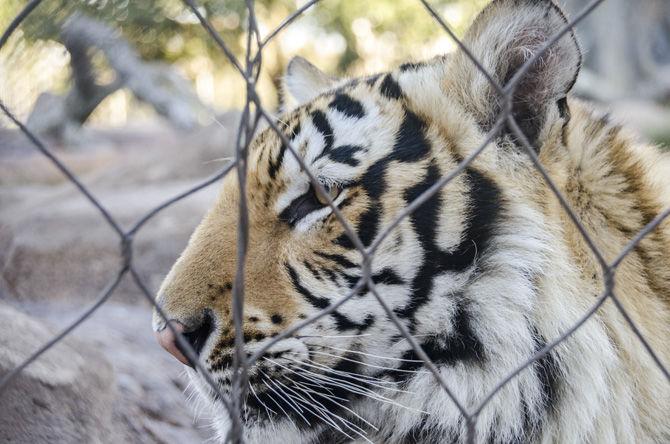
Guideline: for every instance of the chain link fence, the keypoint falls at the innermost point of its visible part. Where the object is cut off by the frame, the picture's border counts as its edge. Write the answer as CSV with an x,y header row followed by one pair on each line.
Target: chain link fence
x,y
252,115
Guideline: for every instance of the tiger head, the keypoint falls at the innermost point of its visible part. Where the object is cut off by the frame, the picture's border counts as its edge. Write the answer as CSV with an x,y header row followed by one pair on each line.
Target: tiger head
x,y
454,272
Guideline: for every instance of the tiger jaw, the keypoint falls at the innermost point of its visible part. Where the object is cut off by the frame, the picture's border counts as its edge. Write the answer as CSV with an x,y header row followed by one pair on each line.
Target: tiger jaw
x,y
305,388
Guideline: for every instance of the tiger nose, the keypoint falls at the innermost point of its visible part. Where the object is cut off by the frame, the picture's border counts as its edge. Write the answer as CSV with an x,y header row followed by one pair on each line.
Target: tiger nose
x,y
196,337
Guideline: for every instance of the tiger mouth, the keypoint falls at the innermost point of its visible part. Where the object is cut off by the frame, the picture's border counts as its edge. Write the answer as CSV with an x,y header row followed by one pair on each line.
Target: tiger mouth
x,y
312,395
307,397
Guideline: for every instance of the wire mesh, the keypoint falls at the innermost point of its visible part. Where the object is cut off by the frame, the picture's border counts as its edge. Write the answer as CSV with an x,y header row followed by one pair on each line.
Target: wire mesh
x,y
252,115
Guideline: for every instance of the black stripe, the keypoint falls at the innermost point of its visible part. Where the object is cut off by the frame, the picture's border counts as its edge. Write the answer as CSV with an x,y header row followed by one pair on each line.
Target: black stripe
x,y
462,345
374,183
315,301
312,270
410,143
345,154
273,166
343,241
411,66
410,146
374,179
343,323
346,201
484,210
320,122
424,220
390,88
345,104
351,281
548,373
337,258
368,224
387,277
331,275
372,79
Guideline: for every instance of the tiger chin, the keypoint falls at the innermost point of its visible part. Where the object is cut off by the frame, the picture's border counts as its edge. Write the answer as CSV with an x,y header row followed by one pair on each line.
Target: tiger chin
x,y
484,274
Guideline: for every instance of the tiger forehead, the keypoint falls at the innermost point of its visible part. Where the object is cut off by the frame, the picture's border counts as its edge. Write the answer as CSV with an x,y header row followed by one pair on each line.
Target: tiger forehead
x,y
352,100
268,143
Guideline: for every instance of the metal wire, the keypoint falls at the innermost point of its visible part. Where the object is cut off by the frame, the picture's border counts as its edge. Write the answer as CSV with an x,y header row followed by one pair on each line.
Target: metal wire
x,y
252,114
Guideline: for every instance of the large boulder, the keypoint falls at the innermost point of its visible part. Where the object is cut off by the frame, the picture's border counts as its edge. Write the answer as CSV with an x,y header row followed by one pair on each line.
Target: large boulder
x,y
64,396
59,248
107,382
57,253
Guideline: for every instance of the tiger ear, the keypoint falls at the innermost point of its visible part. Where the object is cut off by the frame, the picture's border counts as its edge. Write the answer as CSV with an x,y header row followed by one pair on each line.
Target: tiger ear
x,y
303,82
505,35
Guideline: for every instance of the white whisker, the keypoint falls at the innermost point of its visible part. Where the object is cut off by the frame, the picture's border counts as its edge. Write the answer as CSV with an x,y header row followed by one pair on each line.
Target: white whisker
x,y
346,408
316,410
372,355
416,336
323,376
281,394
275,401
333,336
354,388
358,375
315,383
345,384
369,365
219,159
317,387
316,378
375,382
324,411
351,426
268,409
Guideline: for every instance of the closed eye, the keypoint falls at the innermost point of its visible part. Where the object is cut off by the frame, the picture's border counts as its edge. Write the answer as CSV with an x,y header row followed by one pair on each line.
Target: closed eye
x,y
307,203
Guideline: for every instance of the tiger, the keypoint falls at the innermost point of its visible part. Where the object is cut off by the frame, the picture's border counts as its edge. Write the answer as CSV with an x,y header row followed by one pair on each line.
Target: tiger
x,y
483,275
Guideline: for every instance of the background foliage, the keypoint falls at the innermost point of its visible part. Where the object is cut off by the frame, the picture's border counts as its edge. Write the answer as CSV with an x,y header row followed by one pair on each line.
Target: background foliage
x,y
342,37
627,70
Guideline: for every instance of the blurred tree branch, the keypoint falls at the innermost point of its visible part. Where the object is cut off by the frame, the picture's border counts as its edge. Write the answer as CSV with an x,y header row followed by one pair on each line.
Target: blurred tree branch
x,y
155,83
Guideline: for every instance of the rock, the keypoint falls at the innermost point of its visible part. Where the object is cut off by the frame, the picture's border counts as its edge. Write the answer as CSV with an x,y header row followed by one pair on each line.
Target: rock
x,y
64,396
60,248
57,253
56,246
150,404
107,382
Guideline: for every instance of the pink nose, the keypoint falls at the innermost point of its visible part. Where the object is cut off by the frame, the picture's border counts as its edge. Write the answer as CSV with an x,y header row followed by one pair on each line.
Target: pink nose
x,y
168,340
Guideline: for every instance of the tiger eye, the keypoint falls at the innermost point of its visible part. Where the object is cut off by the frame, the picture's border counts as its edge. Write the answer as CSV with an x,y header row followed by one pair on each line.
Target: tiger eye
x,y
333,192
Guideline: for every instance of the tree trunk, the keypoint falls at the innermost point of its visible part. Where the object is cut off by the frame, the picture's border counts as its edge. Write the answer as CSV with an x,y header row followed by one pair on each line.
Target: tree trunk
x,y
156,84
